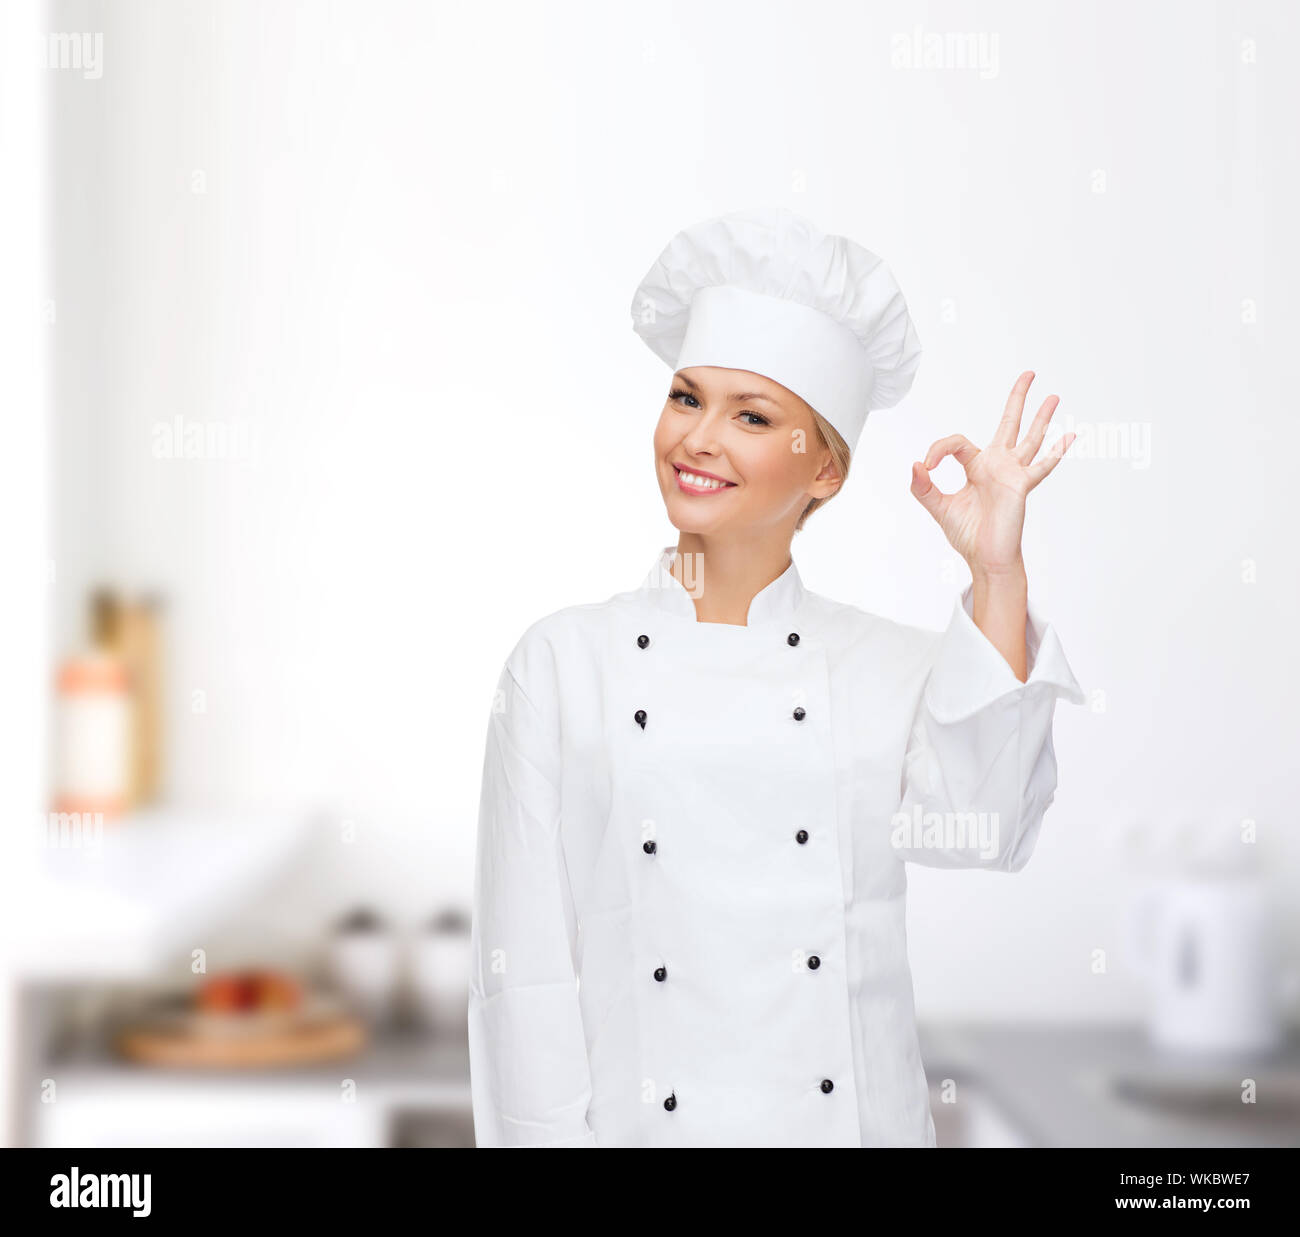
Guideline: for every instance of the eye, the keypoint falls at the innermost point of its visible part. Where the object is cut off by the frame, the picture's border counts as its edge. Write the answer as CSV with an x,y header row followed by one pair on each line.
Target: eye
x,y
759,418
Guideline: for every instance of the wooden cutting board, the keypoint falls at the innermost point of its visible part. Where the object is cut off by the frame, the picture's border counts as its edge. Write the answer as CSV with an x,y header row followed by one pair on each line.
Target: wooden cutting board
x,y
326,1039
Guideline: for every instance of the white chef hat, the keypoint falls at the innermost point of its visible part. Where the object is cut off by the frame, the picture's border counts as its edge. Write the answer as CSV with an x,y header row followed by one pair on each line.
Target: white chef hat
x,y
764,290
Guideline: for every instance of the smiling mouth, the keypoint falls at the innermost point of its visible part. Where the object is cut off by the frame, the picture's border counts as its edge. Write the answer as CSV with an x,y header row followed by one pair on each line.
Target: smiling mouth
x,y
694,483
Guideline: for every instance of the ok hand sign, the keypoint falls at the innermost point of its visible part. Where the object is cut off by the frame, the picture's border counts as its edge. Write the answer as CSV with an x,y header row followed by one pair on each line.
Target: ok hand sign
x,y
984,520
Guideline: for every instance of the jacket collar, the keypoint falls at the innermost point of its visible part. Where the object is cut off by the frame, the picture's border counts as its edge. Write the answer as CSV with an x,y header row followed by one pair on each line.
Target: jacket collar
x,y
774,603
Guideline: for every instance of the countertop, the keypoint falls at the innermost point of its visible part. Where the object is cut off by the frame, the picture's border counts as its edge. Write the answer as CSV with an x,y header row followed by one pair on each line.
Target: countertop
x,y
1044,1086
1109,1086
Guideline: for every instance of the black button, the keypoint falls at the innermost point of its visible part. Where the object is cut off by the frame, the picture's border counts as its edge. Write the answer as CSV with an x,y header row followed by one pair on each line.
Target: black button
x,y
792,638
799,714
801,837
671,1102
639,718
827,1085
642,641
649,847
661,973
814,962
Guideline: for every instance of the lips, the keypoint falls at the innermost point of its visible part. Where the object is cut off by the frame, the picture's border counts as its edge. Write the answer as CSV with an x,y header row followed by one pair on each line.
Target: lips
x,y
691,482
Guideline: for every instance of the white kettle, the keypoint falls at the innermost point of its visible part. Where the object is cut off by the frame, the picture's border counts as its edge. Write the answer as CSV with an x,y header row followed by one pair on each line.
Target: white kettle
x,y
1207,948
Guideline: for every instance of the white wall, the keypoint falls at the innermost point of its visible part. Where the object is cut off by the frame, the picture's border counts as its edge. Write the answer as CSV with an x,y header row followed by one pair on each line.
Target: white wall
x,y
26,553
411,267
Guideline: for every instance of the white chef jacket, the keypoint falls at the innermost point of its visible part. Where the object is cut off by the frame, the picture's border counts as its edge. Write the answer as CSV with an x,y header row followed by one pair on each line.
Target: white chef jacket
x,y
688,923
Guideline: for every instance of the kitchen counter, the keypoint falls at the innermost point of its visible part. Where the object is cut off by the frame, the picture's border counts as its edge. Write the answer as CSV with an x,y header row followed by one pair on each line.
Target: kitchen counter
x,y
1109,1086
400,1090
1047,1086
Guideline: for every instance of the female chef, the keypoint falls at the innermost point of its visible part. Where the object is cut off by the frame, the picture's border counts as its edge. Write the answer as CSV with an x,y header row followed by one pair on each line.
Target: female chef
x,y
700,795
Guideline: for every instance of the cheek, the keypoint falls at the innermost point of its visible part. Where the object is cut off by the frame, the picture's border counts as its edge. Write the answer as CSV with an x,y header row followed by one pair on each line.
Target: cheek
x,y
772,464
662,437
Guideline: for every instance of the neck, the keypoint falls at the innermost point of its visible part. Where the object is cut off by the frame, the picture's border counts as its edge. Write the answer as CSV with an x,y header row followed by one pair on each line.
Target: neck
x,y
724,576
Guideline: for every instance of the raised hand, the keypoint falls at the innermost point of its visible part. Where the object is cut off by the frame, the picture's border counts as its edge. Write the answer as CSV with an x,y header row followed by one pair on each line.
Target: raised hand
x,y
984,520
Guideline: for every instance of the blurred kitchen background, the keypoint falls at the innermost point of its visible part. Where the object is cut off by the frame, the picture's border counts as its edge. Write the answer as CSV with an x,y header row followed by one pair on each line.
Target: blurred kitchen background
x,y
320,388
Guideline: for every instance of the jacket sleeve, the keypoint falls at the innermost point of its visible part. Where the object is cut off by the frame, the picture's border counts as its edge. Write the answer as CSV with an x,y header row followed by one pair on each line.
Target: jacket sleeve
x,y
529,1077
980,768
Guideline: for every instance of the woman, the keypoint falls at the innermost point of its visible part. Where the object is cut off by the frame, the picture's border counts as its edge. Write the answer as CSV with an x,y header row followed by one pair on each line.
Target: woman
x,y
698,796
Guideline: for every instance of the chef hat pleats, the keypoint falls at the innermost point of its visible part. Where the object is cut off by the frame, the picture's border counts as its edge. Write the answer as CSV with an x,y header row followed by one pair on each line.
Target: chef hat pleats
x,y
766,291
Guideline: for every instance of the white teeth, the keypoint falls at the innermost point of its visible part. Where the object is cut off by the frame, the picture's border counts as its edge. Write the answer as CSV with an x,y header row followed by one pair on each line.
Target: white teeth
x,y
704,483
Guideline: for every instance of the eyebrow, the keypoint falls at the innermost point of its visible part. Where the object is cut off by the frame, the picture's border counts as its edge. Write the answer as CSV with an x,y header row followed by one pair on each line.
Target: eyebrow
x,y
695,386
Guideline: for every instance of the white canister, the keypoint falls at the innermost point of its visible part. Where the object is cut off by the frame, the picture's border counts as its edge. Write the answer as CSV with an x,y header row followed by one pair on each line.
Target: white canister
x,y
364,961
440,974
1206,947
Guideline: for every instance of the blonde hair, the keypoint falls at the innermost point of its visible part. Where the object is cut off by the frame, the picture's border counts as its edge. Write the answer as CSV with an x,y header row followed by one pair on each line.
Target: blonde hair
x,y
840,453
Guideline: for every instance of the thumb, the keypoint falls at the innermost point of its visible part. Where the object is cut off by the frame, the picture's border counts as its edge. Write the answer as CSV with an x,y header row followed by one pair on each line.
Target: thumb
x,y
929,495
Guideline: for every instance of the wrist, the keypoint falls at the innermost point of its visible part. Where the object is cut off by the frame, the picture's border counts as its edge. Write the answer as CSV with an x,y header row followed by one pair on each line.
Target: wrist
x,y
1009,577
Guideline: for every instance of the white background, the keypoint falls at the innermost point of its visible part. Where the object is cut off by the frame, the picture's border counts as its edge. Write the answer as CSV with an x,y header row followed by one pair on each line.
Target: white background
x,y
411,265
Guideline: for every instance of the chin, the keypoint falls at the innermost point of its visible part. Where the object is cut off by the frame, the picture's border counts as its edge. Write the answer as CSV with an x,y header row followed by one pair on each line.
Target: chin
x,y
687,522
684,520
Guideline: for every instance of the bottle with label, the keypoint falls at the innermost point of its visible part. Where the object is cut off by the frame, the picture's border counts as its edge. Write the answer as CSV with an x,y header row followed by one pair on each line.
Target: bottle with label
x,y
93,722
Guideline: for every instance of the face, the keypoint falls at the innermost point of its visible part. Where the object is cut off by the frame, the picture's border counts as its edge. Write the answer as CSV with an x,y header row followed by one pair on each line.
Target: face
x,y
749,433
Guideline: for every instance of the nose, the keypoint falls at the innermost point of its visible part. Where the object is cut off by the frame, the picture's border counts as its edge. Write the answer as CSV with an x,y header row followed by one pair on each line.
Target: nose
x,y
702,438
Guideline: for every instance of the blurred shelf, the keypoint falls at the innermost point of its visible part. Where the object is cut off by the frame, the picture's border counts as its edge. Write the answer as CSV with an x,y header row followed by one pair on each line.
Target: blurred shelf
x,y
157,878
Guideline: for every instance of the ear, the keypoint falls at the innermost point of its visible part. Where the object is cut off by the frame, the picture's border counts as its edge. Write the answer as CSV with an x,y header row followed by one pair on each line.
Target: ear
x,y
827,481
